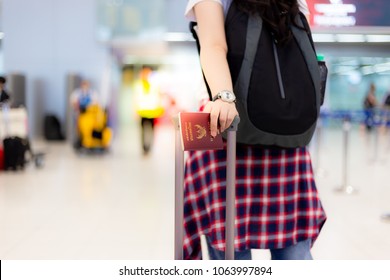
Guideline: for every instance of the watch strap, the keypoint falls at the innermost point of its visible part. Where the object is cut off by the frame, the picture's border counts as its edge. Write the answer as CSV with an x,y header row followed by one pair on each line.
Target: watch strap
x,y
219,94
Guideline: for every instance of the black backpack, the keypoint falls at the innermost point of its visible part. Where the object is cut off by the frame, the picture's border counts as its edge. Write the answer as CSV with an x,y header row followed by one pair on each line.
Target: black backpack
x,y
52,128
279,88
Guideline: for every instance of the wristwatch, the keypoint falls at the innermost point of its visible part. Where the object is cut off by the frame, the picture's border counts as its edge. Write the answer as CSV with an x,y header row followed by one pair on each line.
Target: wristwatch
x,y
225,95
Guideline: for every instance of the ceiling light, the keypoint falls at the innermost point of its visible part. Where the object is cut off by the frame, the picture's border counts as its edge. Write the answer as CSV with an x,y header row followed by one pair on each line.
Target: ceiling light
x,y
378,38
323,38
178,37
351,38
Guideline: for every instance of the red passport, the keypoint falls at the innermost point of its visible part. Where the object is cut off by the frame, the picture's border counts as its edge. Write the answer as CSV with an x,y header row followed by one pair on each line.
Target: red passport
x,y
195,132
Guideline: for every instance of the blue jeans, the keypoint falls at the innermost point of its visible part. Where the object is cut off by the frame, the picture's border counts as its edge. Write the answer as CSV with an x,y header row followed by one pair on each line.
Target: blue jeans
x,y
298,251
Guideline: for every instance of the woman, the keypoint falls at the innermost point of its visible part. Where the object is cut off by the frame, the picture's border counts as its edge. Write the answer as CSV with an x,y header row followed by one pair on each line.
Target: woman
x,y
4,96
277,203
369,104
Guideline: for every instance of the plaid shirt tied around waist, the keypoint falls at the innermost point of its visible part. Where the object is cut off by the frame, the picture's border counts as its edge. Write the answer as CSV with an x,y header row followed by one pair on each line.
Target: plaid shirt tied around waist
x,y
277,203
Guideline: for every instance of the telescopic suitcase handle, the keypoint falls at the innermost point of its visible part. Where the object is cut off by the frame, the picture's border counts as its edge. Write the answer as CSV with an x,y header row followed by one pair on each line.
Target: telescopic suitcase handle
x,y
179,191
230,190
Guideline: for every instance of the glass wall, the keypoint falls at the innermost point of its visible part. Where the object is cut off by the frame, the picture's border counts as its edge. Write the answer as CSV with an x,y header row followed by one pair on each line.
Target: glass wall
x,y
139,20
350,78
130,18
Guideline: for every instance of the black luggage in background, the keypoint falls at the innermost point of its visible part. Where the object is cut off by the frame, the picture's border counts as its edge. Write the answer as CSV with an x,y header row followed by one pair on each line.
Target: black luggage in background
x,y
52,128
15,149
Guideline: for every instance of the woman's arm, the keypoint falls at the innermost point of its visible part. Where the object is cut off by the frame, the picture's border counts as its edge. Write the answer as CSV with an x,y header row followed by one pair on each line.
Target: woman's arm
x,y
211,33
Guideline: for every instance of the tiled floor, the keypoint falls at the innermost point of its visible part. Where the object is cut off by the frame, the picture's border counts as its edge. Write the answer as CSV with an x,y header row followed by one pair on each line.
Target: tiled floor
x,y
120,205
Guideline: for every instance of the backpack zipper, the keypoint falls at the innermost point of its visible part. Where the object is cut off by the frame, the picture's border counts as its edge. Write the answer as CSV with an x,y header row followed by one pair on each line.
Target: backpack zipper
x,y
279,74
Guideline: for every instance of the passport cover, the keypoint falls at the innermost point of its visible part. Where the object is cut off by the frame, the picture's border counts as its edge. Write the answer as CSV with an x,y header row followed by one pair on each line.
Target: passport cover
x,y
195,132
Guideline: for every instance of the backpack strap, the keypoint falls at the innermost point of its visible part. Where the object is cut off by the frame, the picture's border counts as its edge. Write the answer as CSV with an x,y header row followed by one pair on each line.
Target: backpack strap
x,y
308,30
321,64
305,41
254,27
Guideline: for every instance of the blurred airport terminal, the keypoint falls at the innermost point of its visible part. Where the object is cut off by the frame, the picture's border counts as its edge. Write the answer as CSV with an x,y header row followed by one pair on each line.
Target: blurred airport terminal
x,y
111,196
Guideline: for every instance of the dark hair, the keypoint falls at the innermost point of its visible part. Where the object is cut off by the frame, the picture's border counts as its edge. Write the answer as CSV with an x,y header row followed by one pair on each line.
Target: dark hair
x,y
278,15
3,80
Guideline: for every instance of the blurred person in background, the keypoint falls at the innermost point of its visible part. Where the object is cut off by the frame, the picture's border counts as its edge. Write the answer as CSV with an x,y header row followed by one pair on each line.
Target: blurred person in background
x,y
386,108
386,100
148,105
90,119
83,96
4,96
370,103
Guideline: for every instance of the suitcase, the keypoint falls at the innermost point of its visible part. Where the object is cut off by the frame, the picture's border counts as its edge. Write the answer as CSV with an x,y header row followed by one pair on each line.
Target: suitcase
x,y
1,158
15,149
230,191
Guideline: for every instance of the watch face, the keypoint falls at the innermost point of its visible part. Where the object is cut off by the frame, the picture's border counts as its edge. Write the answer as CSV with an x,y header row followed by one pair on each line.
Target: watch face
x,y
227,96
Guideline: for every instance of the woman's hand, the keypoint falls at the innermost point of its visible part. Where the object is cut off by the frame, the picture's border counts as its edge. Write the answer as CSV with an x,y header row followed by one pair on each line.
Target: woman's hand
x,y
222,115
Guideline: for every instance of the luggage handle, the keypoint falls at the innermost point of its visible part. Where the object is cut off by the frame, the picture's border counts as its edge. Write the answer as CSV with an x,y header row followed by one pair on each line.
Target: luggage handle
x,y
230,190
5,120
179,191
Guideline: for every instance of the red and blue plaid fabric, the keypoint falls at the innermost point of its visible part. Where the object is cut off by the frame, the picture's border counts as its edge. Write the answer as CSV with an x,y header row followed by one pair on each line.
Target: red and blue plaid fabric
x,y
276,199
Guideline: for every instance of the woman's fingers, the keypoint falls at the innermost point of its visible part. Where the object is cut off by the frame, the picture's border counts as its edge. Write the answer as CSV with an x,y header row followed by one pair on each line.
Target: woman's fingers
x,y
223,120
231,115
221,115
214,118
210,108
227,120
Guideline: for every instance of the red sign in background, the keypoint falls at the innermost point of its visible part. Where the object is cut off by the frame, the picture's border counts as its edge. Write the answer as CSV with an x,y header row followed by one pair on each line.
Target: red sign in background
x,y
368,13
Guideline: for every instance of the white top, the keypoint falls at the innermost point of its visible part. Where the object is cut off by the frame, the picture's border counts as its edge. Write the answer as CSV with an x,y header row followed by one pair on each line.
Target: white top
x,y
189,12
78,93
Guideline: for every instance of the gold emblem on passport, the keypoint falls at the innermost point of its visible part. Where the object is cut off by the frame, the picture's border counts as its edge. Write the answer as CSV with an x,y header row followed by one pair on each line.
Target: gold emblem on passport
x,y
200,131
